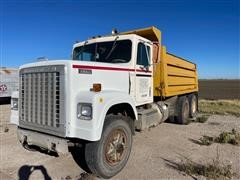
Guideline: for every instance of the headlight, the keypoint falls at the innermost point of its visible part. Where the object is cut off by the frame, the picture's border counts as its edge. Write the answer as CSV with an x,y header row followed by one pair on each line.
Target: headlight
x,y
84,111
14,104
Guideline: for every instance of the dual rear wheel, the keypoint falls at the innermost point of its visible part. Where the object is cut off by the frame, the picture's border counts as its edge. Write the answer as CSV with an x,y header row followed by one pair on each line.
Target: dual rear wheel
x,y
186,108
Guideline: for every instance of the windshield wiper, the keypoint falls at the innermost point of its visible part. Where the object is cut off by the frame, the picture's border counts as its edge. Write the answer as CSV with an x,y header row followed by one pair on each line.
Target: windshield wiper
x,y
113,47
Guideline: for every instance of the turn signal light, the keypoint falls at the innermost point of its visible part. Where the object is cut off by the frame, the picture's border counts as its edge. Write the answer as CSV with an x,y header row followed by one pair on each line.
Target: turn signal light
x,y
96,87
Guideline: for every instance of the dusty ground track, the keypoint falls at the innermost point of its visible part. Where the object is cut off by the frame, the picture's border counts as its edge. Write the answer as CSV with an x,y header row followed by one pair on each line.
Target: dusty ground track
x,y
153,152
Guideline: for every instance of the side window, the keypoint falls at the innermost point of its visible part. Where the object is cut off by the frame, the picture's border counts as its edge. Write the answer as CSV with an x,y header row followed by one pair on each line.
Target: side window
x,y
142,54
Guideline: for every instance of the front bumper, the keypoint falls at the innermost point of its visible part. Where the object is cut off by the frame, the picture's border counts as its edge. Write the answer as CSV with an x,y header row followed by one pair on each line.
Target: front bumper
x,y
14,118
48,142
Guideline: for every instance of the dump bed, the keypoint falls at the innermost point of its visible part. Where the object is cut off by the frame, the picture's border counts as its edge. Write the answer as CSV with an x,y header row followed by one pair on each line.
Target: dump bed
x,y
172,75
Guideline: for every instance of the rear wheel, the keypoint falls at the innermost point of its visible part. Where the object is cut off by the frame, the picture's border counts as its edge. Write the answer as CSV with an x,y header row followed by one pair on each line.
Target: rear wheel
x,y
193,105
183,110
107,157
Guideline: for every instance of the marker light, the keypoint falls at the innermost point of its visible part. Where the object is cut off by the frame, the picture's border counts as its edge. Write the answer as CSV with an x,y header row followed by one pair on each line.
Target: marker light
x,y
97,87
114,31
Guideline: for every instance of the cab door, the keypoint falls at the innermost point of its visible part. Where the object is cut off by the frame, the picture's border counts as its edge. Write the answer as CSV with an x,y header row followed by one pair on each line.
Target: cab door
x,y
143,74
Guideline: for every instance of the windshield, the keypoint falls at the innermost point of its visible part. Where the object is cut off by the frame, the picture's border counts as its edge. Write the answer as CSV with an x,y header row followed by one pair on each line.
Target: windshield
x,y
109,52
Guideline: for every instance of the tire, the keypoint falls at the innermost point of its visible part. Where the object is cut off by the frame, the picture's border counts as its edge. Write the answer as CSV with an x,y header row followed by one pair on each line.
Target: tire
x,y
78,154
182,110
107,157
193,105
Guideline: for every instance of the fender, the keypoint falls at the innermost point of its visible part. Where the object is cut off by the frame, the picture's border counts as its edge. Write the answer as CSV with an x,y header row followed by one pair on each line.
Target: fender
x,y
101,102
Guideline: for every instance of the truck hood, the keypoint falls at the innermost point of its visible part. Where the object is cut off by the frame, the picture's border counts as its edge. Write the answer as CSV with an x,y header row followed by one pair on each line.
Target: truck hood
x,y
71,63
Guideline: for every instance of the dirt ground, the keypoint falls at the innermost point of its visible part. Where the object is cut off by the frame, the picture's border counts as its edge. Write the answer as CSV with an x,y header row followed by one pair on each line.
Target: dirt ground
x,y
153,155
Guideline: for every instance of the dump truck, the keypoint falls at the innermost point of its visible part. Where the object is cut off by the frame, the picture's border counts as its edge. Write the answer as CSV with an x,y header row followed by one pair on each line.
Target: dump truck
x,y
92,105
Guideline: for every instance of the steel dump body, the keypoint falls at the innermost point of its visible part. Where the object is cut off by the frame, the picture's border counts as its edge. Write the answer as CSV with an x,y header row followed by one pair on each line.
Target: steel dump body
x,y
172,75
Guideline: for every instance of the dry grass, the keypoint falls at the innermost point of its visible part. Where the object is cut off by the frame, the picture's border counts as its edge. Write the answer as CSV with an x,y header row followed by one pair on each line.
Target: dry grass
x,y
232,137
202,119
206,140
222,107
213,170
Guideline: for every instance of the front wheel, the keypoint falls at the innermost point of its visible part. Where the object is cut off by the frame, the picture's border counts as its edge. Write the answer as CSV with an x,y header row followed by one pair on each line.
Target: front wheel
x,y
107,157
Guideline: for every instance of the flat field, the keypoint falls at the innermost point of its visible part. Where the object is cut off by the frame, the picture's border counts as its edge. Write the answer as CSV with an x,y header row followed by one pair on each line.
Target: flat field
x,y
219,89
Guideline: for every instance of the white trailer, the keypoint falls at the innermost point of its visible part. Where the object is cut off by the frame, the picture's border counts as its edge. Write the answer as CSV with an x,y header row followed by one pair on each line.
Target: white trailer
x,y
8,82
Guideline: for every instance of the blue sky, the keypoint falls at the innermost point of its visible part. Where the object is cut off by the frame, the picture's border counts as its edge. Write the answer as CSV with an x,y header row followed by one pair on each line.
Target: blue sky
x,y
205,32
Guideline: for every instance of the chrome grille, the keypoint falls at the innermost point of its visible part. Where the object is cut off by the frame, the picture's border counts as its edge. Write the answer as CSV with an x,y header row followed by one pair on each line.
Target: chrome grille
x,y
41,99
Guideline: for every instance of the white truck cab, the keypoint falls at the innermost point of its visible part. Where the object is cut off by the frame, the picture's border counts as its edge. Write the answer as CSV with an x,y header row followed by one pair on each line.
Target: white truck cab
x,y
94,101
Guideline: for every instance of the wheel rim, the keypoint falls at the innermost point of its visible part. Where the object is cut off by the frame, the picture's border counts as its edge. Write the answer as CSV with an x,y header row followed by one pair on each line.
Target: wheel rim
x,y
115,147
